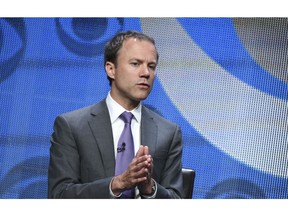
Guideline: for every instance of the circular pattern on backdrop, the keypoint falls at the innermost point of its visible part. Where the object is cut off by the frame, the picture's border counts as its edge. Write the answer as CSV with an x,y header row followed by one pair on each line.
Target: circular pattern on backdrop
x,y
234,109
236,189
26,178
87,36
11,53
266,41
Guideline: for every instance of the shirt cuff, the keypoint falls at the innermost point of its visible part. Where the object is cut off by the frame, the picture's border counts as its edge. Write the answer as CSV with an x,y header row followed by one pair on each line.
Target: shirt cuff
x,y
112,195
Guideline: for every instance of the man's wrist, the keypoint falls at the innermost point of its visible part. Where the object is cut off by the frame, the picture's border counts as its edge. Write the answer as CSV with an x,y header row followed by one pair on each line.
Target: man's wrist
x,y
153,190
118,195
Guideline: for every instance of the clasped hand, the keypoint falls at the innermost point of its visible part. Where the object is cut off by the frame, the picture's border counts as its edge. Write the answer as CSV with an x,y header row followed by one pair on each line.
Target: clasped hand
x,y
138,174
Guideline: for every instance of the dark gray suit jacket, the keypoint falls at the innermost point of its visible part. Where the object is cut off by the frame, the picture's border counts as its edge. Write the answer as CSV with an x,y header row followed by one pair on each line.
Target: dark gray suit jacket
x,y
82,158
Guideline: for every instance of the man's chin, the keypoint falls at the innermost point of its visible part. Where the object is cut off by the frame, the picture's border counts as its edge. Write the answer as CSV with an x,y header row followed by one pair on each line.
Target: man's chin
x,y
140,98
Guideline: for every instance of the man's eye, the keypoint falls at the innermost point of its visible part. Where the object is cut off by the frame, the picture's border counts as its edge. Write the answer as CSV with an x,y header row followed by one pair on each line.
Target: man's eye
x,y
134,63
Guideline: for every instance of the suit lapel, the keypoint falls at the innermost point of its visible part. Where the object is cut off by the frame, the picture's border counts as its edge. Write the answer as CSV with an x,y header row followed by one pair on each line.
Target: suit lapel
x,y
101,128
100,125
148,131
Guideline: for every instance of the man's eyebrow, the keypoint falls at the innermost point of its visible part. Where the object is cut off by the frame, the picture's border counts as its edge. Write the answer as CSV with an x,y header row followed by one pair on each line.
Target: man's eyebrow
x,y
140,60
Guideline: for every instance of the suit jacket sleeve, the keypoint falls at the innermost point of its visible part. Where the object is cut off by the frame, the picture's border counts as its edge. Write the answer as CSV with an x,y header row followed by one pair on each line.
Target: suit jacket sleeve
x,y
164,140
171,182
66,176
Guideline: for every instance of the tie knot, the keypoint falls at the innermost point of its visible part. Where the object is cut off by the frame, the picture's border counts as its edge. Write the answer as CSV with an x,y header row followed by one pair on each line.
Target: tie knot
x,y
126,117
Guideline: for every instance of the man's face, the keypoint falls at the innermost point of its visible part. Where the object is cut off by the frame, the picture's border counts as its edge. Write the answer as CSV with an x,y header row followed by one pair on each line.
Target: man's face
x,y
135,72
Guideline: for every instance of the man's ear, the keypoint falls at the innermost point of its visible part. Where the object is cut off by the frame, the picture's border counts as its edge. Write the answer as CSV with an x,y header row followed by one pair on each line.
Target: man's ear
x,y
110,69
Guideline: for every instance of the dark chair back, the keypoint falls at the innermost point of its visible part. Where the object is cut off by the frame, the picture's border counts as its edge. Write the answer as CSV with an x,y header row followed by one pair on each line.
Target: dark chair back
x,y
188,182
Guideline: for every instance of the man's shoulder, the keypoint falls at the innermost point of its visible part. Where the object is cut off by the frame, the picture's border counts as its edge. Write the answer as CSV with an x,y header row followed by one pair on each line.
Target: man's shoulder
x,y
85,111
156,115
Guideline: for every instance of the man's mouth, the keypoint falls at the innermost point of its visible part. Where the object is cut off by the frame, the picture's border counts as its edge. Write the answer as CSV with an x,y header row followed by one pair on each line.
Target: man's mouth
x,y
144,85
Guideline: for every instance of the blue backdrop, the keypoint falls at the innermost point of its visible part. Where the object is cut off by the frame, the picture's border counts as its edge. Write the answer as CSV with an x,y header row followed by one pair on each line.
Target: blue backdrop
x,y
223,80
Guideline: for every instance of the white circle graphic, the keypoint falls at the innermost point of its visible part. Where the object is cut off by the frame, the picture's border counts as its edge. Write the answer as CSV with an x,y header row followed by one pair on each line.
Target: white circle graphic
x,y
243,122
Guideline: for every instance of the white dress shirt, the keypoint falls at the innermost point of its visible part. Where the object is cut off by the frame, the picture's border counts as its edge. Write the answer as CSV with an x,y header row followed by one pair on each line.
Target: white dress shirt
x,y
115,110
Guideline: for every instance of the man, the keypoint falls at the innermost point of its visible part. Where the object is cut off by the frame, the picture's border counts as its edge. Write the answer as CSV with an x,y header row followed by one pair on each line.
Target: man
x,y
85,154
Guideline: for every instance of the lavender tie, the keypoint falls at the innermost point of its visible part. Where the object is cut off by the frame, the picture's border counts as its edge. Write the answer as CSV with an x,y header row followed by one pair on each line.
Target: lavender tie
x,y
125,150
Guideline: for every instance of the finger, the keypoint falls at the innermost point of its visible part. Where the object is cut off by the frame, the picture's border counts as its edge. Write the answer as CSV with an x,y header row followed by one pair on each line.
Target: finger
x,y
140,151
142,158
146,150
140,164
142,173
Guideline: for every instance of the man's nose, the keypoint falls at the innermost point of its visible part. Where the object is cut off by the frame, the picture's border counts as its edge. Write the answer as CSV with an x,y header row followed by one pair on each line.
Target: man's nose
x,y
145,71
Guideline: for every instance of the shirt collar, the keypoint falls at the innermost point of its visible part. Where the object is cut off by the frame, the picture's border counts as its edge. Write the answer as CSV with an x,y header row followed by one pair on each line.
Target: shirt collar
x,y
115,109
